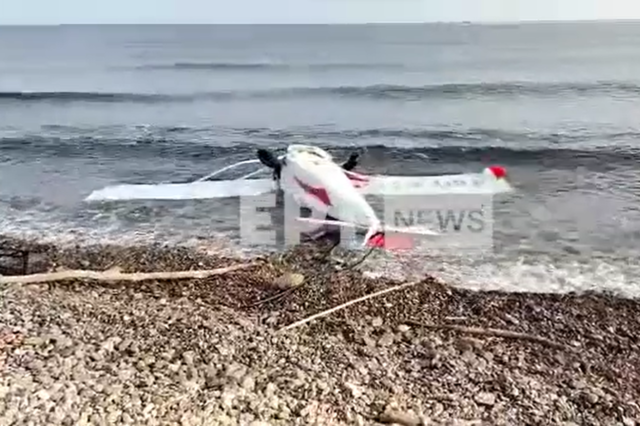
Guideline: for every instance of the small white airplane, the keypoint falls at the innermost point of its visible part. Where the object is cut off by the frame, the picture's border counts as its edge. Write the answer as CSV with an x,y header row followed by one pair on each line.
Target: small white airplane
x,y
314,180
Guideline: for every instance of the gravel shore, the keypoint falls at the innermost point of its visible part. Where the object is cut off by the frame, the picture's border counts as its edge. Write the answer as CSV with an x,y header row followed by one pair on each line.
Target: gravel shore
x,y
205,352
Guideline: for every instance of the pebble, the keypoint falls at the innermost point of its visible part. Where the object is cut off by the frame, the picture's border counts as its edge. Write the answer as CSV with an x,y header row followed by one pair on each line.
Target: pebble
x,y
188,357
236,371
168,355
354,389
34,341
124,345
96,356
488,356
369,341
437,410
403,328
485,398
400,418
284,413
577,384
386,339
111,344
270,390
470,343
248,383
591,397
289,280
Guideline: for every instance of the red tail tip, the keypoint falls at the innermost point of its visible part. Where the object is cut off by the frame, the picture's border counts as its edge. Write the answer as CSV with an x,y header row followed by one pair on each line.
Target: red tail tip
x,y
498,172
376,240
391,242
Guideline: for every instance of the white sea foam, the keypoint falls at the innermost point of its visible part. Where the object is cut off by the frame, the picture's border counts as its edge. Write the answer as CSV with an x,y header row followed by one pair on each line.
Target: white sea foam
x,y
539,274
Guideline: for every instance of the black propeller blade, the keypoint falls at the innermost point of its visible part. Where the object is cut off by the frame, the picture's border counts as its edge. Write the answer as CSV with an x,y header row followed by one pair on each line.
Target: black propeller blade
x,y
352,162
267,158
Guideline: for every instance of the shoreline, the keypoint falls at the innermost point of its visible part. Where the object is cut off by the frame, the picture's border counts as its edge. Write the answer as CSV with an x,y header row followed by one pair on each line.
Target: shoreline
x,y
195,349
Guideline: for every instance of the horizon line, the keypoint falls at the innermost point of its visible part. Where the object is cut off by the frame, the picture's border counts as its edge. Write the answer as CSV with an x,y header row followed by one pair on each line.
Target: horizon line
x,y
458,22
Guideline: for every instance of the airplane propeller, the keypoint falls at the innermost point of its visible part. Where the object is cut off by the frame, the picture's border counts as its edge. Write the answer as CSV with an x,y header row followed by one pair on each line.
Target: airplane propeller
x,y
267,158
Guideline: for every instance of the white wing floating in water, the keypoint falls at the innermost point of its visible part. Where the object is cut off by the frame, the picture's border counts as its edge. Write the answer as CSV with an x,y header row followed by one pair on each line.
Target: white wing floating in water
x,y
184,191
467,183
199,189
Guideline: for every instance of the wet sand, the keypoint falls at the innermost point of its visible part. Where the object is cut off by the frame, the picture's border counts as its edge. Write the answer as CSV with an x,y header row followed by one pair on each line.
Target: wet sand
x,y
206,351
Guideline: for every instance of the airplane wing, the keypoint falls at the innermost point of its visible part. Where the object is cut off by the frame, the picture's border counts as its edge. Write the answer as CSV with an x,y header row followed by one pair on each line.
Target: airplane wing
x,y
490,181
185,191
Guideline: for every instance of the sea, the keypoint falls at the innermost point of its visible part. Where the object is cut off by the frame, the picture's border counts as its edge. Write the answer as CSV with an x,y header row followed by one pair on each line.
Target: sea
x,y
556,104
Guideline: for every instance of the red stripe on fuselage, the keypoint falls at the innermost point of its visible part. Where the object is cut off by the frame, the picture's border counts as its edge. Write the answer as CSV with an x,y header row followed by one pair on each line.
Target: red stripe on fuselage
x,y
357,180
320,193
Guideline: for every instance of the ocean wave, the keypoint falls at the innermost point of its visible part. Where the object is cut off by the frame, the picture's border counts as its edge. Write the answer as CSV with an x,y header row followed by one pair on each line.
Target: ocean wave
x,y
380,91
265,66
178,143
83,96
440,135
318,134
479,89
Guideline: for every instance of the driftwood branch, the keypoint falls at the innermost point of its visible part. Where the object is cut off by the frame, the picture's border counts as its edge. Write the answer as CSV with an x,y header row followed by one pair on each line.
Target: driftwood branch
x,y
493,332
115,275
346,305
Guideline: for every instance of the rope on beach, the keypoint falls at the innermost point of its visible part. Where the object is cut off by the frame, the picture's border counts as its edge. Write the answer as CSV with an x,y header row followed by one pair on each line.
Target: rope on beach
x,y
346,305
115,275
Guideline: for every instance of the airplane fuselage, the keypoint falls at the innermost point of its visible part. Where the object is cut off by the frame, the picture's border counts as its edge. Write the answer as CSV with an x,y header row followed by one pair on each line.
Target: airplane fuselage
x,y
311,177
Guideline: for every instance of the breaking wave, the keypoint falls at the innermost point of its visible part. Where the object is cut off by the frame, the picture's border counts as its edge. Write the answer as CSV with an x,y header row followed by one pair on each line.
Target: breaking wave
x,y
548,149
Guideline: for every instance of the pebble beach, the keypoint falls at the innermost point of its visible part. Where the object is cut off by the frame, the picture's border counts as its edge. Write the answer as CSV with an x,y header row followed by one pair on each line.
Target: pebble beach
x,y
214,351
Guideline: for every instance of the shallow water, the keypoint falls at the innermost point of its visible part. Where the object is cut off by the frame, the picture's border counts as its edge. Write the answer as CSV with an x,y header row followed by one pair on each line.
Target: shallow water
x,y
86,107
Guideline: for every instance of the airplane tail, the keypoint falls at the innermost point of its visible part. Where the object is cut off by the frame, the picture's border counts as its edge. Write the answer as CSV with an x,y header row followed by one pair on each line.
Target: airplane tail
x,y
387,241
395,238
384,237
